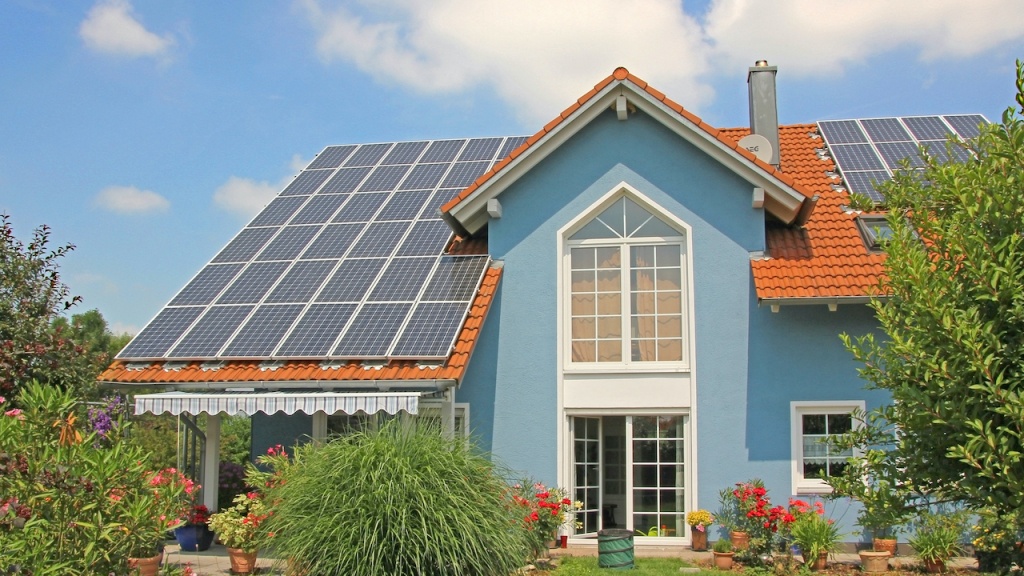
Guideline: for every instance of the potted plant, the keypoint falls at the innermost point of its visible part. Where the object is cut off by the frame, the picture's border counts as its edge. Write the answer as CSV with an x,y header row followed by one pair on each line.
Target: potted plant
x,y
149,511
816,535
738,509
195,534
722,552
238,528
699,520
936,538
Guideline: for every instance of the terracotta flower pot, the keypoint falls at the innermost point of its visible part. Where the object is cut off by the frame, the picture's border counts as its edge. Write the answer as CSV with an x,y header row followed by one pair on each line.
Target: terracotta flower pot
x,y
723,560
242,562
884,545
872,561
145,566
934,566
740,540
819,563
698,540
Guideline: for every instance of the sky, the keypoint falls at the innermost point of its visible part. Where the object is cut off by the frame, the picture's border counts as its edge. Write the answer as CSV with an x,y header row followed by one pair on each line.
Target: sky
x,y
148,132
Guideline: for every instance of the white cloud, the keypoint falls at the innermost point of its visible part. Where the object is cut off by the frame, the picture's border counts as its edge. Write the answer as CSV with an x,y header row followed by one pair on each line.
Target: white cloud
x,y
243,196
833,35
540,55
118,328
131,200
112,28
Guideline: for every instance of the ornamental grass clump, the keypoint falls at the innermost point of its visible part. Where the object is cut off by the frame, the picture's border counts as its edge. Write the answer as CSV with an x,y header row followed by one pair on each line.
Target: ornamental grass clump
x,y
400,500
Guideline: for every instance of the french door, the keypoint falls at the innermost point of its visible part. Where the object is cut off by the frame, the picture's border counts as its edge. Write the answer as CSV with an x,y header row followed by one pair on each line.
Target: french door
x,y
630,472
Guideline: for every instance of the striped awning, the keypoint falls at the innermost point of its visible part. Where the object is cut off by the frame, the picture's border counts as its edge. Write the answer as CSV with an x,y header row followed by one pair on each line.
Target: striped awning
x,y
250,403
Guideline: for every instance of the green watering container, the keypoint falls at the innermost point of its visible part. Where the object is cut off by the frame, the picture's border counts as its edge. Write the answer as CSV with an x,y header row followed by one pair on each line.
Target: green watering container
x,y
615,549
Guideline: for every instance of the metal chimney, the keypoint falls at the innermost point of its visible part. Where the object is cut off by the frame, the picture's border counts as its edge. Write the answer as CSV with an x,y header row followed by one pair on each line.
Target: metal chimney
x,y
764,112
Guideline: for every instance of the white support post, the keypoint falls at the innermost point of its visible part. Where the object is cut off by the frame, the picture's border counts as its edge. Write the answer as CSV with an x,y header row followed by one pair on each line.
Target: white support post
x,y
319,426
211,462
448,412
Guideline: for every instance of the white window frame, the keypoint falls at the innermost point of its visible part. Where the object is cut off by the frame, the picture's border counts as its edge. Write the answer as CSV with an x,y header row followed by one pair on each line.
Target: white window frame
x,y
798,409
683,241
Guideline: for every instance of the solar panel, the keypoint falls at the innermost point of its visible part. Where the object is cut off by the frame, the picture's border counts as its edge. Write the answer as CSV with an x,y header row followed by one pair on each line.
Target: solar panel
x,y
263,331
206,285
431,330
211,332
307,182
278,211
372,330
163,331
253,283
331,157
314,334
346,262
966,125
868,151
510,145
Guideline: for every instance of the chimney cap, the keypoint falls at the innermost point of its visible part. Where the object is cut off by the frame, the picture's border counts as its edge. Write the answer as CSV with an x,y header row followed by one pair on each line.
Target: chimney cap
x,y
760,63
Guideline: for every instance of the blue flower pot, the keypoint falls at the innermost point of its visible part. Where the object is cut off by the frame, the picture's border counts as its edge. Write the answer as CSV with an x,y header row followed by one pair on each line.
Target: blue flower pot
x,y
194,537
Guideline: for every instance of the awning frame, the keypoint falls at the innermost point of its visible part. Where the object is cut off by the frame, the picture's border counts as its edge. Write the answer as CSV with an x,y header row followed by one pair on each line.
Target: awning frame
x,y
288,402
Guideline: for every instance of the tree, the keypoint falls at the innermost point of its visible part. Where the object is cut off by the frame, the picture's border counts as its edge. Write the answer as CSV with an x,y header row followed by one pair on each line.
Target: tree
x,y
90,330
953,316
31,297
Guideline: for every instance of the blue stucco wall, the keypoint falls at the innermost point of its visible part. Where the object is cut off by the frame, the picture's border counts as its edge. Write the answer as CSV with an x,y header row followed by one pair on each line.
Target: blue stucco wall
x,y
749,364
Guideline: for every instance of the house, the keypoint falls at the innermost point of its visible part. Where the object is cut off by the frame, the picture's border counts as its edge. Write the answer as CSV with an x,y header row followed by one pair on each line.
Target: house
x,y
630,303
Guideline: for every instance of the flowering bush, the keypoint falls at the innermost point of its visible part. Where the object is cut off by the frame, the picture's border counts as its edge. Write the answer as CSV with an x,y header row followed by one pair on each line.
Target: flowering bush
x,y
810,530
239,525
198,514
106,420
544,510
68,505
996,539
232,483
699,519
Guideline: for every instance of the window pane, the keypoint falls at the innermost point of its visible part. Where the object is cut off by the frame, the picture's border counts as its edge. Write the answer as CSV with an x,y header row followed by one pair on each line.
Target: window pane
x,y
670,475
613,216
814,424
669,279
670,350
645,427
655,227
583,328
813,447
635,216
670,327
814,468
642,256
583,281
584,351
609,281
594,229
643,303
609,327
642,279
583,305
609,304
839,423
645,451
643,326
582,258
668,255
609,351
608,257
670,303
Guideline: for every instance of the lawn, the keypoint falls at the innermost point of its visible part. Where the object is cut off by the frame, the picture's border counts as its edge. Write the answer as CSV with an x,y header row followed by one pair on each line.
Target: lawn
x,y
587,566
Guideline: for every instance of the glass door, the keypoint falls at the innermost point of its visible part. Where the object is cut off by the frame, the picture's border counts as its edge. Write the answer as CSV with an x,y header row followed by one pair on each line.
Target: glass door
x,y
659,497
586,439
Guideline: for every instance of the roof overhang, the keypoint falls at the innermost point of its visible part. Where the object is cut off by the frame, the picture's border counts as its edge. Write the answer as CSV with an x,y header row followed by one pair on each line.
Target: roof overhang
x,y
781,199
249,403
833,302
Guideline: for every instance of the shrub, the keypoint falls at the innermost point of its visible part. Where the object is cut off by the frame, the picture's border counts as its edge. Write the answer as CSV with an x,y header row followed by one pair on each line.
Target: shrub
x,y
400,500
937,535
71,504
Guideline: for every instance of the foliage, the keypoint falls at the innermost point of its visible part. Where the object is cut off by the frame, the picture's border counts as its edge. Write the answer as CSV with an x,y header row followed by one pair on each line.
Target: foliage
x,y
996,540
235,439
722,545
90,330
811,530
402,499
937,536
735,503
699,519
953,360
241,525
231,483
68,504
31,296
874,477
861,202
544,510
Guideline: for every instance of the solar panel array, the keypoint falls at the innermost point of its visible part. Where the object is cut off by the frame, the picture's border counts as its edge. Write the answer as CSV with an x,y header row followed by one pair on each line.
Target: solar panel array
x,y
868,151
347,262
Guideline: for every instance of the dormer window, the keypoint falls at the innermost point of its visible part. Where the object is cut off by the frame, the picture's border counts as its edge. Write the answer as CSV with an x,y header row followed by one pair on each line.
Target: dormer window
x,y
875,231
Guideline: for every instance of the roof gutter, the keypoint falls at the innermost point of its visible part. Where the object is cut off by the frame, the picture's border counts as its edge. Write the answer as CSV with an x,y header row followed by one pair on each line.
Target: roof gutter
x,y
434,385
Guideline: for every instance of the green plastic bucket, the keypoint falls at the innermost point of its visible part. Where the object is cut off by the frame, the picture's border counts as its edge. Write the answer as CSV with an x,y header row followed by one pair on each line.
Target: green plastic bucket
x,y
615,549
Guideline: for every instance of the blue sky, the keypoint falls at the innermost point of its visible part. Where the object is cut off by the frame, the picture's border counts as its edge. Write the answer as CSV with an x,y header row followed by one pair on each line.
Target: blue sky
x,y
148,132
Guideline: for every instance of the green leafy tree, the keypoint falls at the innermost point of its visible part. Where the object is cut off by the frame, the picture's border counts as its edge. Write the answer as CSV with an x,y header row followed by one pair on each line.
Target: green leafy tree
x,y
953,359
31,297
92,333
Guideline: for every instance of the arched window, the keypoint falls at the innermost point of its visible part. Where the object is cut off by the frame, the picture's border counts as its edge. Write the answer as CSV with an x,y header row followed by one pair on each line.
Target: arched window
x,y
627,272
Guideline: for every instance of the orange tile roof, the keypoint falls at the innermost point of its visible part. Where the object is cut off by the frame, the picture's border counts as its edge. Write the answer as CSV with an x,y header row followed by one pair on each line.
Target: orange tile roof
x,y
312,370
826,257
622,75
